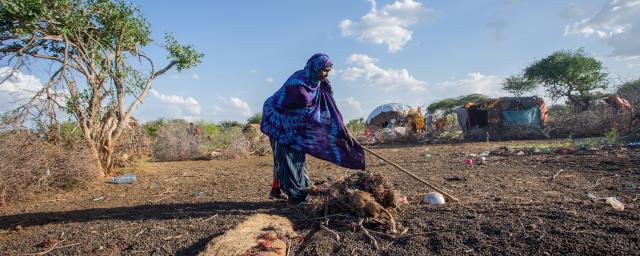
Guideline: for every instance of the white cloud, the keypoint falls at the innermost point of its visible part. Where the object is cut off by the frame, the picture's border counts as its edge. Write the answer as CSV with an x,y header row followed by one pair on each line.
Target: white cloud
x,y
233,106
269,79
366,69
617,24
193,76
16,88
179,105
350,108
476,82
573,11
253,71
389,25
240,105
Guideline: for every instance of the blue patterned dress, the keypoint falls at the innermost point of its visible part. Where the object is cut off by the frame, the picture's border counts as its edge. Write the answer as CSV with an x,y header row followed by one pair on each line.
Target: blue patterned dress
x,y
302,117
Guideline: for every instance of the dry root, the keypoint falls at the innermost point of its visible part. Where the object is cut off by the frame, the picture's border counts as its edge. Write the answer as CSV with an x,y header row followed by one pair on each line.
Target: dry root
x,y
362,195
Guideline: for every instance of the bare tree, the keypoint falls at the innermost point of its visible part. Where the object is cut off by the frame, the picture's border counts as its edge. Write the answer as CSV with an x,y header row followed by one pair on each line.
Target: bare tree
x,y
99,73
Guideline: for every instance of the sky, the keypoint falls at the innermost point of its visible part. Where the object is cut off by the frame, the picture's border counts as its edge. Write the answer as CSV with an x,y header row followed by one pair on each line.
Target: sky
x,y
407,51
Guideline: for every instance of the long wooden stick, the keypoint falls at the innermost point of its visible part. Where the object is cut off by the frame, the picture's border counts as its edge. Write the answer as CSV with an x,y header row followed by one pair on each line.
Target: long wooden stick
x,y
411,174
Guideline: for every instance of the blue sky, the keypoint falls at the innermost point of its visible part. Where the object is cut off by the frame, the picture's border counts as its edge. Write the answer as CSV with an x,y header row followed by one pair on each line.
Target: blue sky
x,y
408,51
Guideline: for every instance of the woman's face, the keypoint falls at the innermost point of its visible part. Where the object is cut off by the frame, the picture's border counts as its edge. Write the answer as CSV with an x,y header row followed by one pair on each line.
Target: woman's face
x,y
324,73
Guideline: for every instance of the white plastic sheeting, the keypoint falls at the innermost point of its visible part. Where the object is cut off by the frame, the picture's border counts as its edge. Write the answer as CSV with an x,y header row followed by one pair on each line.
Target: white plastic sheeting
x,y
389,107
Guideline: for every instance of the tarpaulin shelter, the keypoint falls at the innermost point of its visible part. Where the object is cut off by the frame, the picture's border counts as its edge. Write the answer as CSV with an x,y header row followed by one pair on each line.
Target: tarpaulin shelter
x,y
500,115
384,115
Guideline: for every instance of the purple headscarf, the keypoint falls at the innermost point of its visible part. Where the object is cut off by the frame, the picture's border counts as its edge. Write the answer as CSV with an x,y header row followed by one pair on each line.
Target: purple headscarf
x,y
303,115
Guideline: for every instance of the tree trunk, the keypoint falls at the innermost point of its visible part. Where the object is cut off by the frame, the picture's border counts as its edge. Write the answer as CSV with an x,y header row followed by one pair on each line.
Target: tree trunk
x,y
106,153
96,156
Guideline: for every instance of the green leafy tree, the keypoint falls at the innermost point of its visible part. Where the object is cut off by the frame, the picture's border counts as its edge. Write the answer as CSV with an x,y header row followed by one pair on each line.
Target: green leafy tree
x,y
356,125
95,49
255,118
153,127
229,124
518,85
210,129
569,74
447,106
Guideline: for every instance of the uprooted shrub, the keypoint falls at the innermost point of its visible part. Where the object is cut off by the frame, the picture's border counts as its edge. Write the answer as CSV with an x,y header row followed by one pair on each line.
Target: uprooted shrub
x,y
29,165
362,195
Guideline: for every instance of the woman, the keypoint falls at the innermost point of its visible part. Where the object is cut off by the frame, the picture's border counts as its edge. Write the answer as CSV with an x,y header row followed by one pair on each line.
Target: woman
x,y
302,118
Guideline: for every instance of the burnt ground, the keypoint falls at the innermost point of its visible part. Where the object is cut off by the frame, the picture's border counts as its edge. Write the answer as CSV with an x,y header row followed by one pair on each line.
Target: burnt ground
x,y
510,205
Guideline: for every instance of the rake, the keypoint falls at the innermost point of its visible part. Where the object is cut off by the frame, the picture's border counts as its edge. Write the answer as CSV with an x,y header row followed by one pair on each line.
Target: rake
x,y
411,174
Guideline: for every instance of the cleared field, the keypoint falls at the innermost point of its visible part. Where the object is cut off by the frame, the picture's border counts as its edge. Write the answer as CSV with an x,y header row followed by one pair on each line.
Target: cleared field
x,y
510,205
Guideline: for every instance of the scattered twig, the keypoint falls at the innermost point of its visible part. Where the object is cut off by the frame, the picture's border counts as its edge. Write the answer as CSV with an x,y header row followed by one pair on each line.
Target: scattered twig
x,y
383,234
328,216
373,239
53,247
409,235
633,199
117,230
598,181
393,222
140,232
523,228
416,234
172,237
336,236
554,176
208,219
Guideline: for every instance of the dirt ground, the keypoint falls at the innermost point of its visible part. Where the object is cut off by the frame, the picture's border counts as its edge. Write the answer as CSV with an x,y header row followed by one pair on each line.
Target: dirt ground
x,y
510,205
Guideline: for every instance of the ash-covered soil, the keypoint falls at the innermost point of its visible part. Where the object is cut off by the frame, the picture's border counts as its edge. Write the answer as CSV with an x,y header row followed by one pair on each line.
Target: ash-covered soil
x,y
510,205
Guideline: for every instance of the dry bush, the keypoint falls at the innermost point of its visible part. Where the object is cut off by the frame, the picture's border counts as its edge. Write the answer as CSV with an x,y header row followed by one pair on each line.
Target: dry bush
x,y
173,142
134,144
258,142
588,123
29,166
236,142
239,148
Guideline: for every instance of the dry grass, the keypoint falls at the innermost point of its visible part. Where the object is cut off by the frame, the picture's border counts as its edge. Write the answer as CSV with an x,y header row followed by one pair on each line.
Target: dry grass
x,y
29,165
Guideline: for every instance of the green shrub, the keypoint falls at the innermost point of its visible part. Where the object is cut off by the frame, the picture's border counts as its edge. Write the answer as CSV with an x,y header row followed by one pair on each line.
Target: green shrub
x,y
255,118
612,136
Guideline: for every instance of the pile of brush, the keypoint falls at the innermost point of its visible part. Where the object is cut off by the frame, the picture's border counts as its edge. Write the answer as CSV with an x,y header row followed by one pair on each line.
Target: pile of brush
x,y
362,196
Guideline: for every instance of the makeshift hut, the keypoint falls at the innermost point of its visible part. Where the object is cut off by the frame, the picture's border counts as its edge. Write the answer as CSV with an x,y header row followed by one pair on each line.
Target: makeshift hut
x,y
387,116
503,118
388,122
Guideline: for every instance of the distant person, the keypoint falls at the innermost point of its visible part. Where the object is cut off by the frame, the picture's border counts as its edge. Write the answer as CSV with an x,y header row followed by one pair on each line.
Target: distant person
x,y
303,118
193,135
